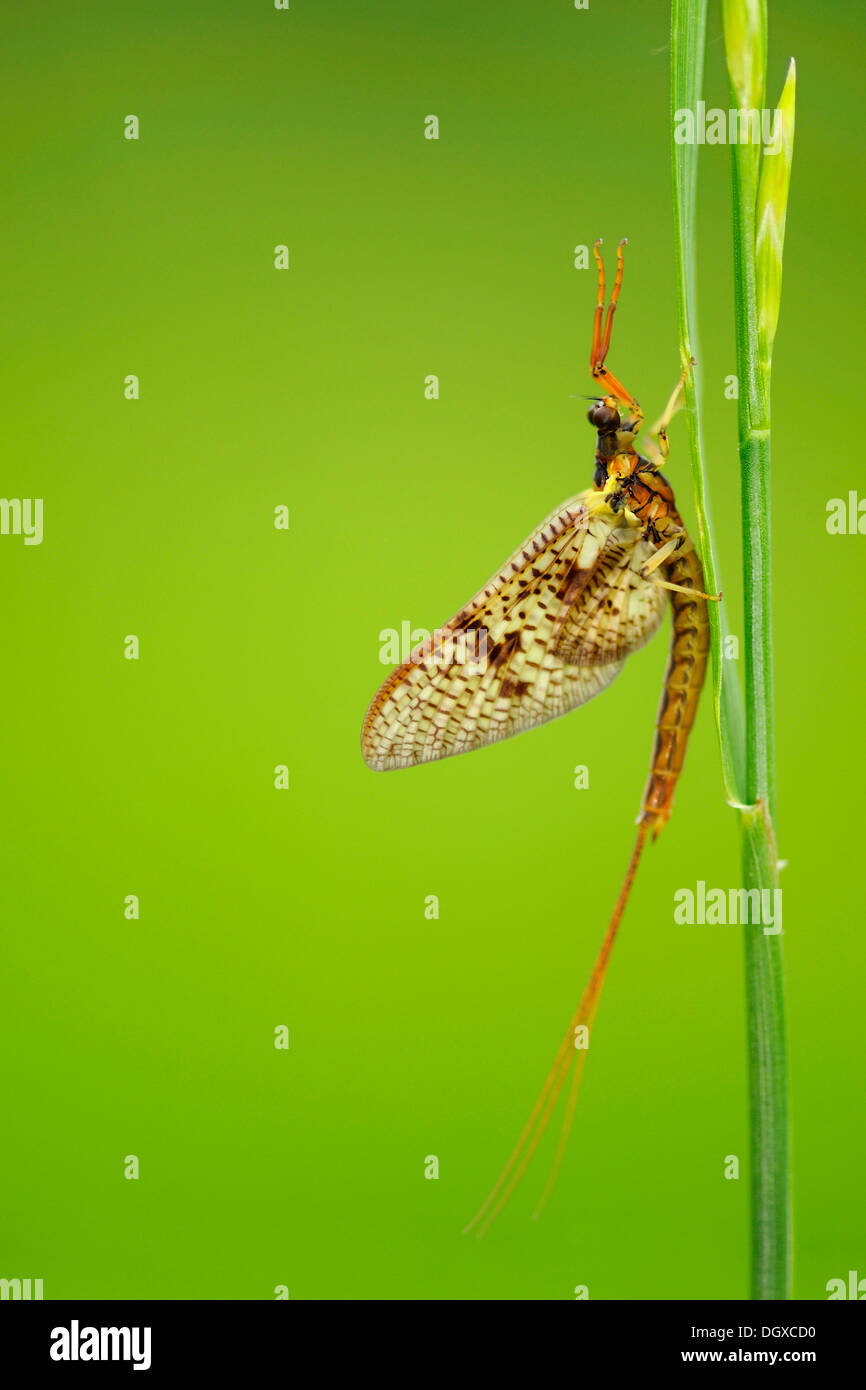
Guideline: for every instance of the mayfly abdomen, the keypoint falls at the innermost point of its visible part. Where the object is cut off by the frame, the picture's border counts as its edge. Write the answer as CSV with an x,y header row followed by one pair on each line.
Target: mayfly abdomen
x,y
684,677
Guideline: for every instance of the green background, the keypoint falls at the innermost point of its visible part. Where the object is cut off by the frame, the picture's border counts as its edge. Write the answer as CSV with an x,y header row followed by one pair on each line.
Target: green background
x,y
259,647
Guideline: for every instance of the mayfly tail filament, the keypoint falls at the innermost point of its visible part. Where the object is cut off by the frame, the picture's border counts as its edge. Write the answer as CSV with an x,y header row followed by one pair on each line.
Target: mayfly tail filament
x,y
524,1150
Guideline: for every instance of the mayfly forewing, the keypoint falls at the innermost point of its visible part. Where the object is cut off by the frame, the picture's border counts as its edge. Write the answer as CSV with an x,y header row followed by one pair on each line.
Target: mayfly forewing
x,y
439,703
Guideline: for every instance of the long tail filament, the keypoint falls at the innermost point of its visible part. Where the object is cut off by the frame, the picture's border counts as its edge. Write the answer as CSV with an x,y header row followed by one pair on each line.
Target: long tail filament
x,y
522,1154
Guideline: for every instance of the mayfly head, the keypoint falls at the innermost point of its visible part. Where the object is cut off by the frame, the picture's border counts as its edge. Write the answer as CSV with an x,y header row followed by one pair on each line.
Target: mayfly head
x,y
616,436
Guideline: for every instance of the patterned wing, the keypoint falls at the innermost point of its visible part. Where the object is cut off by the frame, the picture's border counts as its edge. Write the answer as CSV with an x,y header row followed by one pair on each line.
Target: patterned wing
x,y
547,633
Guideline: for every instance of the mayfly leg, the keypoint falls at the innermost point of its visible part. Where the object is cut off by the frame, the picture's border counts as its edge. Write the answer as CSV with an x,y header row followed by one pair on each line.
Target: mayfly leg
x,y
659,430
595,358
664,553
691,593
601,341
614,299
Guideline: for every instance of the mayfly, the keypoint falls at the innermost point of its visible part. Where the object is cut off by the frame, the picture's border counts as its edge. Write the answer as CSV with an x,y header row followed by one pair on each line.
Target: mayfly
x,y
556,623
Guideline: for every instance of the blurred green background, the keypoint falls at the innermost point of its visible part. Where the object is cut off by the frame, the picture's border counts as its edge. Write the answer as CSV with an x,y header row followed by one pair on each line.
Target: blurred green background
x,y
260,647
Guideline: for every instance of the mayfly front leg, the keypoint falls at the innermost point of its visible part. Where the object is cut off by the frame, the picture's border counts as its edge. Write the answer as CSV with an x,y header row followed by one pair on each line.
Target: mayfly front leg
x,y
601,339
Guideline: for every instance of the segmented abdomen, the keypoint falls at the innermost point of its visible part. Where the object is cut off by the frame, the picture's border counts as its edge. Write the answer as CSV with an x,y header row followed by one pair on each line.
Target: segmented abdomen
x,y
684,677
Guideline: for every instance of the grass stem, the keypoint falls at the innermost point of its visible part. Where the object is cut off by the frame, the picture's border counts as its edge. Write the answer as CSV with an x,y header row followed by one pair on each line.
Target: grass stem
x,y
746,733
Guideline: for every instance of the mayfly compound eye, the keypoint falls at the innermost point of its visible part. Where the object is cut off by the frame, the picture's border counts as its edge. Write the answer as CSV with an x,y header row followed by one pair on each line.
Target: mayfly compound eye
x,y
605,418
